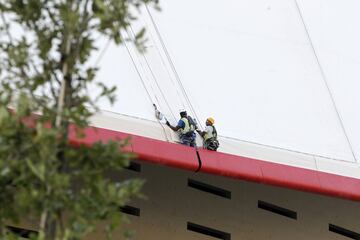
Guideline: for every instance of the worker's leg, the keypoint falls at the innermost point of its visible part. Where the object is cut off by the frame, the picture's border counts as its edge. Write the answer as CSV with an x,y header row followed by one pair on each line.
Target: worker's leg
x,y
192,139
205,144
188,141
185,140
193,143
211,144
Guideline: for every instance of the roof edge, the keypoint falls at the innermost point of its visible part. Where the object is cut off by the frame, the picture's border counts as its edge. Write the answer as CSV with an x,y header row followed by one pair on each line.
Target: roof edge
x,y
228,165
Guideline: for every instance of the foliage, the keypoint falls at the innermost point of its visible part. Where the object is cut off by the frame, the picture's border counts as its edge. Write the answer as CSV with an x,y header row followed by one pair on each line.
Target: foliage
x,y
45,47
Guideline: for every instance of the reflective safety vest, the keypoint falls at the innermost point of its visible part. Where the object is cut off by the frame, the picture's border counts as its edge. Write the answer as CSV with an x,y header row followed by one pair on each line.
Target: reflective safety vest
x,y
212,134
188,127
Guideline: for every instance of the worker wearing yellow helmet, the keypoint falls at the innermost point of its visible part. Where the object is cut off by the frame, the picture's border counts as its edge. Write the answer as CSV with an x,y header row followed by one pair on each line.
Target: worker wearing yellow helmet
x,y
209,135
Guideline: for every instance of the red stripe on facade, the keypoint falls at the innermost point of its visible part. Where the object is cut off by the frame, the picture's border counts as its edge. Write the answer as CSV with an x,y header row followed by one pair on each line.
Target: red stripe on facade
x,y
228,165
146,149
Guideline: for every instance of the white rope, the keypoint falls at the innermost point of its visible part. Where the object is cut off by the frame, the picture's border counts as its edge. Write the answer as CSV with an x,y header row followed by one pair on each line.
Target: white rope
x,y
172,65
154,77
144,85
164,64
102,53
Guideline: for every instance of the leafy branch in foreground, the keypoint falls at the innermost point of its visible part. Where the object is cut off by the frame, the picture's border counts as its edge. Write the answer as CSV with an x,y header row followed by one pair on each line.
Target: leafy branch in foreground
x,y
45,47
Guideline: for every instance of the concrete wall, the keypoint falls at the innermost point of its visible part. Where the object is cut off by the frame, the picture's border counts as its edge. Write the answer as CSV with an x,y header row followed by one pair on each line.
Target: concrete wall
x,y
171,204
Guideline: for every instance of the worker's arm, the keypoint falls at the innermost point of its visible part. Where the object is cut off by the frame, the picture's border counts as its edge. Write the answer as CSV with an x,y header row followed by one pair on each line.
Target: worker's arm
x,y
207,130
201,133
172,127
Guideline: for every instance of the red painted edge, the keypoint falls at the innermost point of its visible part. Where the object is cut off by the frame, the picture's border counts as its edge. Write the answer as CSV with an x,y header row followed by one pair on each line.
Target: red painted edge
x,y
176,155
146,149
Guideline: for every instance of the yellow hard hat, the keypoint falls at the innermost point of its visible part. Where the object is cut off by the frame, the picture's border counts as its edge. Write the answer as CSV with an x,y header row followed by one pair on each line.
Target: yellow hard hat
x,y
211,120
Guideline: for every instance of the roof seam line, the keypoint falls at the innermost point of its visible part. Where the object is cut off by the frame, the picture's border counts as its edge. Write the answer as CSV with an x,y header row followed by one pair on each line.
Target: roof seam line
x,y
325,80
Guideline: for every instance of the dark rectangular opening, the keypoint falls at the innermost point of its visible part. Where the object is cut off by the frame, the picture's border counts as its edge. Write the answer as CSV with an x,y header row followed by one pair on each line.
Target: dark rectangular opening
x,y
208,231
276,209
21,232
344,232
133,166
130,210
209,188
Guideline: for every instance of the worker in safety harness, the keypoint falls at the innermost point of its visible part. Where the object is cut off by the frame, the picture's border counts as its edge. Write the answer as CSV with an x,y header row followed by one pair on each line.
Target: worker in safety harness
x,y
209,135
186,129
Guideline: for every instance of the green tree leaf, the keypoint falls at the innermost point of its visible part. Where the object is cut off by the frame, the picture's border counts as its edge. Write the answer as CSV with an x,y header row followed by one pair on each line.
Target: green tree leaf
x,y
45,74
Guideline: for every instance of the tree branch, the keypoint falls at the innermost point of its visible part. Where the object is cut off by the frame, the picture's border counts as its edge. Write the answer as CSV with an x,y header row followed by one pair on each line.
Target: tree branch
x,y
6,27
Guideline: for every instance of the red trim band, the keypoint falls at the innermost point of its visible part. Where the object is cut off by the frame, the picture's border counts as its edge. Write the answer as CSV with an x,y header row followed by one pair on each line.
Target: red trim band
x,y
223,164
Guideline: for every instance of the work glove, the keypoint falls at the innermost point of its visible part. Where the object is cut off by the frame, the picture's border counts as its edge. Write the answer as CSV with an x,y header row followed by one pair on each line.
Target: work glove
x,y
167,123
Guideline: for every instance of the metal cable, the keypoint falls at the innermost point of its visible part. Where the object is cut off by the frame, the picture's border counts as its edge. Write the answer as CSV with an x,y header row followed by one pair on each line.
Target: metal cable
x,y
144,85
143,68
325,80
154,78
102,53
165,65
172,65
138,72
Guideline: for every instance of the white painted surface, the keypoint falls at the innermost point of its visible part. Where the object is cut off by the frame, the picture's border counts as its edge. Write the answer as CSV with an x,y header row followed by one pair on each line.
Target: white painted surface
x,y
249,64
153,129
333,26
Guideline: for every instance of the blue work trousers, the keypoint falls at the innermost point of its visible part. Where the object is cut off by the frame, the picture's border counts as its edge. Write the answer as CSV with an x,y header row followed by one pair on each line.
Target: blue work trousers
x,y
188,139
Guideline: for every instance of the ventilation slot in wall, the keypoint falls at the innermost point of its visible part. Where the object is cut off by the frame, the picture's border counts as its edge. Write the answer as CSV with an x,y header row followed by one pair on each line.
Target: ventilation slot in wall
x,y
130,210
344,232
208,231
21,232
276,209
133,166
209,188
